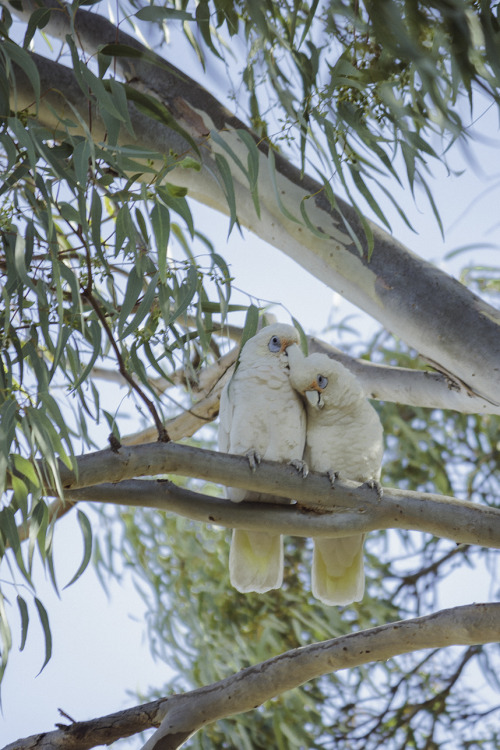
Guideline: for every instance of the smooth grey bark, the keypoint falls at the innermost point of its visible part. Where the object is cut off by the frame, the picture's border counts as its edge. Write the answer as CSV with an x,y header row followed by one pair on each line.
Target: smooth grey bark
x,y
335,512
432,390
431,311
180,716
469,625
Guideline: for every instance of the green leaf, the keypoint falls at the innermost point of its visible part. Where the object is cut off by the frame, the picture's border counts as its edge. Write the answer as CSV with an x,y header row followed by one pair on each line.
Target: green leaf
x,y
104,100
124,229
203,21
251,325
253,165
160,219
5,636
8,528
228,188
154,13
8,423
44,620
133,292
38,20
87,546
20,496
81,160
26,469
38,530
23,612
93,332
186,292
95,220
302,334
221,141
173,197
272,174
154,108
307,221
367,195
22,58
144,307
431,200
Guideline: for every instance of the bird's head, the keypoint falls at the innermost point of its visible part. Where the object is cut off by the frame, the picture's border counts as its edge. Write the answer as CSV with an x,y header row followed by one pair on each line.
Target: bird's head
x,y
323,381
271,343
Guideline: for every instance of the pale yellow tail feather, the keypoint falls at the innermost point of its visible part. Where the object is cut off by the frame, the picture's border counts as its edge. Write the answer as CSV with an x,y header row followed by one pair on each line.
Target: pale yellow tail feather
x,y
338,575
255,561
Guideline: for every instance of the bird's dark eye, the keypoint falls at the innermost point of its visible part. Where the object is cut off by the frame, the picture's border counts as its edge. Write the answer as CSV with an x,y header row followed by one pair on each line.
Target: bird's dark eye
x,y
322,381
274,344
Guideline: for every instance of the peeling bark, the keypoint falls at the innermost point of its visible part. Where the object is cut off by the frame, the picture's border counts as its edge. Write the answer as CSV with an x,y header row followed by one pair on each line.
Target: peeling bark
x,y
418,302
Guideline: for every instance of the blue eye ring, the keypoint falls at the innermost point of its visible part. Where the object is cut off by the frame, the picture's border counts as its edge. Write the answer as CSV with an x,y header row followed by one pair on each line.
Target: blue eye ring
x,y
274,344
322,381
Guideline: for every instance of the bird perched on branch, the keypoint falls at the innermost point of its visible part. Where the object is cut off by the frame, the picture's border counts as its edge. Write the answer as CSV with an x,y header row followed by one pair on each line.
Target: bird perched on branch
x,y
261,417
344,436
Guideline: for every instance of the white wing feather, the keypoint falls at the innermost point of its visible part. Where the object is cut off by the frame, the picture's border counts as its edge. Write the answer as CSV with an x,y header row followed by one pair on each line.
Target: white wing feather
x,y
260,412
344,434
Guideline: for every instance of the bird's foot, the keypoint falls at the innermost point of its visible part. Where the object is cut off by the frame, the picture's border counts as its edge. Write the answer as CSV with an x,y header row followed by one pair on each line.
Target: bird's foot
x,y
254,459
332,476
301,467
374,485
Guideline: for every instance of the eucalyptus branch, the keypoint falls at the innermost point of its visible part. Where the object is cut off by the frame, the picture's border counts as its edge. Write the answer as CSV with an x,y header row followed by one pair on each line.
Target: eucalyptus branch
x,y
180,716
361,507
434,314
162,432
432,390
345,511
466,522
469,625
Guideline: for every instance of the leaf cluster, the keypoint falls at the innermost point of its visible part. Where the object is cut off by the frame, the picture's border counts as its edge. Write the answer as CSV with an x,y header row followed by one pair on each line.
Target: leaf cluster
x,y
100,265
359,91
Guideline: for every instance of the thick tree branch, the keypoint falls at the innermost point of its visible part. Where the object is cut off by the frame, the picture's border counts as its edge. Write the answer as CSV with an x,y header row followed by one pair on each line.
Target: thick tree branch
x,y
461,521
82,735
249,688
431,390
342,512
434,314
183,715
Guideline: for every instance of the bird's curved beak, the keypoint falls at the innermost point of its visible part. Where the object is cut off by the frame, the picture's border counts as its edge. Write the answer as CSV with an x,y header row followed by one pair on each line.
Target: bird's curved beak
x,y
294,354
314,397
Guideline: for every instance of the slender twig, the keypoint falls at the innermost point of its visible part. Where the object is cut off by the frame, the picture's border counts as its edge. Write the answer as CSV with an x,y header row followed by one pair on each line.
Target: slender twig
x,y
163,436
411,579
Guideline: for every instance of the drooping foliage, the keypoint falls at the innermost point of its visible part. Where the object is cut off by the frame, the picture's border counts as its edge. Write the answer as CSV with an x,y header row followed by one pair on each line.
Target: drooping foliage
x,y
103,265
